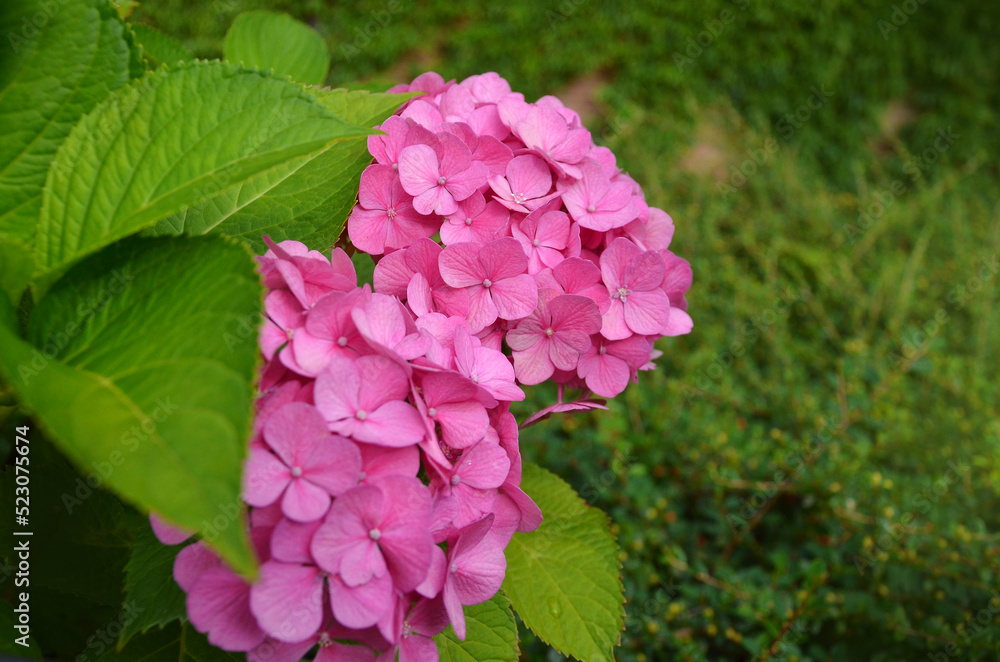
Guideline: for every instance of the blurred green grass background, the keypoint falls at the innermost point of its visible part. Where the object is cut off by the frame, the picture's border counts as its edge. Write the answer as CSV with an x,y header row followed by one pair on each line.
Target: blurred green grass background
x,y
812,474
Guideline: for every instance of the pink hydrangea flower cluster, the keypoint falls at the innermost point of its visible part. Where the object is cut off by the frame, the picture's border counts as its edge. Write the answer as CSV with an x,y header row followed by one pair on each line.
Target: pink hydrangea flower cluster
x,y
384,472
547,244
383,476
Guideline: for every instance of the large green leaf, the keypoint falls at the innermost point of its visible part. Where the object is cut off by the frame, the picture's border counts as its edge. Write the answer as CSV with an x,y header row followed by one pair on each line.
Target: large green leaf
x,y
150,589
491,634
132,376
179,137
272,40
563,579
177,643
59,60
309,198
159,48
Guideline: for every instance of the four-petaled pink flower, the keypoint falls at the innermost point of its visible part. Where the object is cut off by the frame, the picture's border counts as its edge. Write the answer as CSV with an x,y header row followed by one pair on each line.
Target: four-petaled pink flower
x,y
384,216
476,221
439,177
525,186
608,365
364,399
475,570
547,238
377,529
494,275
545,131
553,336
307,467
597,203
633,278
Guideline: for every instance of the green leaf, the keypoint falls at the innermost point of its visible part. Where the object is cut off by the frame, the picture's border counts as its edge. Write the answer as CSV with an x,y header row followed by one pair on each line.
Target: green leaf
x,y
158,48
178,643
150,590
136,372
309,198
563,578
52,72
491,634
272,40
179,137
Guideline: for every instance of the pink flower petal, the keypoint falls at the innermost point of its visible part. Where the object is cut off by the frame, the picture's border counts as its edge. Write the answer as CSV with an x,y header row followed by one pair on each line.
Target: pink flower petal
x,y
287,600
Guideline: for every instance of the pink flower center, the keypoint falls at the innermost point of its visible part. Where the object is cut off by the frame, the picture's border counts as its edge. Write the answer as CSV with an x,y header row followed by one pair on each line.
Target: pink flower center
x,y
591,208
432,412
361,414
296,472
621,293
549,332
455,480
289,333
362,476
375,534
603,350
454,568
325,641
342,341
475,379
441,181
468,221
391,213
487,283
536,242
519,198
395,166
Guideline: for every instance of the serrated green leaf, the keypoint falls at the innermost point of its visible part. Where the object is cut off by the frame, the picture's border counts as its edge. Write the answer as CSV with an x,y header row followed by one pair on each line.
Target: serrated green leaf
x,y
159,48
491,634
52,72
134,370
309,198
150,590
177,643
563,578
273,40
179,137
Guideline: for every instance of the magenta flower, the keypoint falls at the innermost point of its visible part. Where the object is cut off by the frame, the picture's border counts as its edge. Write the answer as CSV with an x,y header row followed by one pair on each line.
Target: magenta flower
x,y
308,466
377,529
439,177
218,603
386,148
474,480
553,337
475,570
384,216
633,278
546,133
413,274
287,600
595,202
608,366
476,221
328,331
547,238
485,367
451,402
577,276
494,275
525,186
364,399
